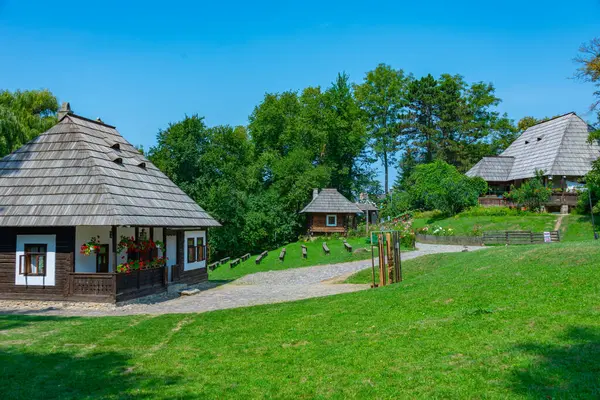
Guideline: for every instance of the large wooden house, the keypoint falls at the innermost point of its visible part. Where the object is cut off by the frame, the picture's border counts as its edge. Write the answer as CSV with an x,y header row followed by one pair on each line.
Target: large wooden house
x,y
558,147
85,216
330,212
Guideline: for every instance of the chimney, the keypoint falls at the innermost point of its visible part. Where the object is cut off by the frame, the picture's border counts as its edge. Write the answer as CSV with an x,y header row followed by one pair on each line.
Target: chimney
x,y
315,193
65,109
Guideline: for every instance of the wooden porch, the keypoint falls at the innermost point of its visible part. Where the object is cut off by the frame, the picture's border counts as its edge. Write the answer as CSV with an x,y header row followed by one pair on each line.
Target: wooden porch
x,y
556,200
114,287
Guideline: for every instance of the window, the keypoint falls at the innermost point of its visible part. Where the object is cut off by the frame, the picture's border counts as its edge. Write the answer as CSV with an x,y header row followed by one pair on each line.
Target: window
x,y
33,260
191,250
200,256
331,220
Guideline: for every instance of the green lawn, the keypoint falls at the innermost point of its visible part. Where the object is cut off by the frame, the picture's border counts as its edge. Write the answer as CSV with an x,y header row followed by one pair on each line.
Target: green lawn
x,y
577,228
507,322
463,225
293,258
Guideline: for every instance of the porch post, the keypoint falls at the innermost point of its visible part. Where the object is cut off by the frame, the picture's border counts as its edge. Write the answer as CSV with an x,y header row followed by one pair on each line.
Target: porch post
x,y
113,232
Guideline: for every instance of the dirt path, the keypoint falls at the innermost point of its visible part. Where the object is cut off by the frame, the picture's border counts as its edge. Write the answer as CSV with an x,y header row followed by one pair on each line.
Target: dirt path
x,y
254,289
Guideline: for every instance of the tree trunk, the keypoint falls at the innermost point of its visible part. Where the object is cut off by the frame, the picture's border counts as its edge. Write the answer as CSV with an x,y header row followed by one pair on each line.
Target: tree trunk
x,y
385,168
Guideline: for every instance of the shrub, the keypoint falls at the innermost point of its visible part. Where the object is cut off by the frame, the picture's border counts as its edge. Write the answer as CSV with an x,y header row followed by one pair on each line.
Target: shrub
x,y
532,194
441,186
479,211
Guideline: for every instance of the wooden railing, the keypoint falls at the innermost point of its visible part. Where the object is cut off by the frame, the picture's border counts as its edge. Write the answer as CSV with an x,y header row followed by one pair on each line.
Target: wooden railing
x,y
569,199
116,287
92,286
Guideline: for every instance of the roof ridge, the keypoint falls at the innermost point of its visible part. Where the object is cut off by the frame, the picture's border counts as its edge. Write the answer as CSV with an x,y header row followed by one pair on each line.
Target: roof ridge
x,y
550,120
96,169
558,148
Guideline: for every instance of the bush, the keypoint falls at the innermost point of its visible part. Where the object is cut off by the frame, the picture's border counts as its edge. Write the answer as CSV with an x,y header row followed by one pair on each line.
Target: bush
x,y
532,194
395,204
441,186
479,211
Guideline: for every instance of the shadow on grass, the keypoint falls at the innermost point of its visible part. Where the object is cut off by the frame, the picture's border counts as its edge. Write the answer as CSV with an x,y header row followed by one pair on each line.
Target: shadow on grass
x,y
81,373
563,371
22,320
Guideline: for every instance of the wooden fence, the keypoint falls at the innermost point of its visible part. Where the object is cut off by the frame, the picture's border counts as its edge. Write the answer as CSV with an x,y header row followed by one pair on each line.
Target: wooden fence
x,y
455,240
520,237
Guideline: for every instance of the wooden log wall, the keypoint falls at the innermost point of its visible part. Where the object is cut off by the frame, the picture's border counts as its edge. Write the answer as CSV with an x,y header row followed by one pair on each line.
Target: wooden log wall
x,y
65,256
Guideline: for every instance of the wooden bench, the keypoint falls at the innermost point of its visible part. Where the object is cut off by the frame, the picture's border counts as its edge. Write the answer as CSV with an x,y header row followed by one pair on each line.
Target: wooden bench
x,y
282,255
348,247
260,258
224,260
235,262
245,256
325,248
304,251
213,266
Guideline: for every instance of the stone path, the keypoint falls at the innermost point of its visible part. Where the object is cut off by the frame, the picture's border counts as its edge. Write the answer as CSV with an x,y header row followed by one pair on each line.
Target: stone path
x,y
250,290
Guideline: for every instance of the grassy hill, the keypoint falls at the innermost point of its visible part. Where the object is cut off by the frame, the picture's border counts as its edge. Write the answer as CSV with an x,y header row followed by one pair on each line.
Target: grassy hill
x,y
508,322
463,224
293,258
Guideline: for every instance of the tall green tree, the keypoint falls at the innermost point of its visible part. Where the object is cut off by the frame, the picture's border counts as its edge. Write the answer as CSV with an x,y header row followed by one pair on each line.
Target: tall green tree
x,y
212,165
382,97
451,120
23,116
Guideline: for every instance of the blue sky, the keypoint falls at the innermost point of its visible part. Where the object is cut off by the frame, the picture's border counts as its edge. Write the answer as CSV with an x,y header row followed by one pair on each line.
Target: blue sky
x,y
142,64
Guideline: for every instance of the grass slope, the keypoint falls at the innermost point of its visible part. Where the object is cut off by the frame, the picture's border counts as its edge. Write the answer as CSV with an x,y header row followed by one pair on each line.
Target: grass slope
x,y
577,228
509,322
293,258
463,225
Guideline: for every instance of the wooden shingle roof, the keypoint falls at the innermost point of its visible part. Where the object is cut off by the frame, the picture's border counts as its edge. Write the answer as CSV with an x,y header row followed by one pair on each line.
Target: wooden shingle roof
x,y
83,172
331,201
558,147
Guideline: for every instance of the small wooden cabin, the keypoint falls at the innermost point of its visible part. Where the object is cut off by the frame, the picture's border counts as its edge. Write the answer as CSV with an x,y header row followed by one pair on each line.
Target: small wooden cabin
x,y
330,212
82,188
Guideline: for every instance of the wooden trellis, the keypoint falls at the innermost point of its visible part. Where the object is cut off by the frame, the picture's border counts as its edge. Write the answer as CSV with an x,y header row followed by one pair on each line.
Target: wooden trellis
x,y
389,260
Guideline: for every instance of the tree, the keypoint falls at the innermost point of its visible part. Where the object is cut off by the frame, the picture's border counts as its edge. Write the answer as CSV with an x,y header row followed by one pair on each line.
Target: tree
x,y
440,186
23,116
212,166
589,66
532,194
382,97
450,120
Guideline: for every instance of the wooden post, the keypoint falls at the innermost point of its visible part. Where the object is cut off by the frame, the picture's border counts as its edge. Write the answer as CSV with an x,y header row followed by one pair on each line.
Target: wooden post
x,y
113,231
390,257
367,213
373,266
381,247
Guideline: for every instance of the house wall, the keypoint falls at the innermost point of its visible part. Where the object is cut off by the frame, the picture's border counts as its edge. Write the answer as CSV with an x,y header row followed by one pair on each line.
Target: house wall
x,y
180,273
64,250
83,234
318,223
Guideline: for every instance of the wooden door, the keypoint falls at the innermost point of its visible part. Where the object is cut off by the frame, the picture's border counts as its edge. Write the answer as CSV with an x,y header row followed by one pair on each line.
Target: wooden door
x,y
102,259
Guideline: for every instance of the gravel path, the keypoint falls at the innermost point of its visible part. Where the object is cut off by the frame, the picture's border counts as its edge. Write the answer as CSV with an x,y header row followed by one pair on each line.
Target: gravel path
x,y
250,290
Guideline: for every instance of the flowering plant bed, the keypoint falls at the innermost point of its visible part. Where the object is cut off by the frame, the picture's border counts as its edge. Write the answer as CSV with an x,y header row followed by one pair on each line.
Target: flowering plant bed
x,y
135,265
129,244
91,246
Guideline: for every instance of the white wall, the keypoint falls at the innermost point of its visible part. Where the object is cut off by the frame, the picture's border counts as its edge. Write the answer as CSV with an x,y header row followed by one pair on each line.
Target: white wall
x,y
83,234
195,265
50,242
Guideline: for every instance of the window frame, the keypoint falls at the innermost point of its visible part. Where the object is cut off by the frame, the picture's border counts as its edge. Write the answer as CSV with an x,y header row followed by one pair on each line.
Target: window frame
x,y
191,246
25,262
200,249
327,220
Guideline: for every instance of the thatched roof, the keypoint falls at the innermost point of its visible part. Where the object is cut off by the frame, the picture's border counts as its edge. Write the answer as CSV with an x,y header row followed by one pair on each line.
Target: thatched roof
x,y
558,147
331,201
83,172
